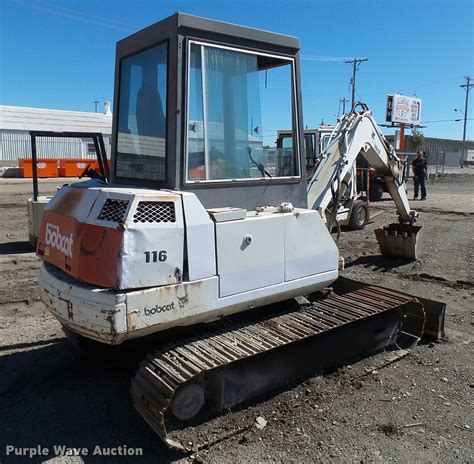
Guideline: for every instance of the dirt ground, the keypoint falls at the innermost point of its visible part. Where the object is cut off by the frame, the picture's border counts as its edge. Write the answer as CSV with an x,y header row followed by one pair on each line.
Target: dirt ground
x,y
419,409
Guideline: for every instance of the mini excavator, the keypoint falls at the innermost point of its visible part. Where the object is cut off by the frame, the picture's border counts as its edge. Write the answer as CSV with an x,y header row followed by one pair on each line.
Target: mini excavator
x,y
204,225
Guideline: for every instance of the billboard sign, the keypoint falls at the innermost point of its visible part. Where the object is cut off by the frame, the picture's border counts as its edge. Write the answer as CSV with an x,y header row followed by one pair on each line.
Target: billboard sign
x,y
403,109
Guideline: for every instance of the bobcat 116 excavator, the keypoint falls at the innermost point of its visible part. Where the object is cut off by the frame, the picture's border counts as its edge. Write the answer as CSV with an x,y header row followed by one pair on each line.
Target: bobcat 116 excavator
x,y
202,225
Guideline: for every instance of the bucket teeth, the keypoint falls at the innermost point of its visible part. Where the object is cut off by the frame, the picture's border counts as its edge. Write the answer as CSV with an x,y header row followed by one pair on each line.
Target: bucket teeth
x,y
398,240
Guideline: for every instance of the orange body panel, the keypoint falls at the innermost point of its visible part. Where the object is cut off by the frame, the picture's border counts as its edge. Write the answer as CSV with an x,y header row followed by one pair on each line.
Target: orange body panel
x,y
87,252
99,257
46,167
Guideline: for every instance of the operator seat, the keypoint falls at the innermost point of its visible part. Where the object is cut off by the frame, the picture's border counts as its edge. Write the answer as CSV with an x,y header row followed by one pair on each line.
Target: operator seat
x,y
151,120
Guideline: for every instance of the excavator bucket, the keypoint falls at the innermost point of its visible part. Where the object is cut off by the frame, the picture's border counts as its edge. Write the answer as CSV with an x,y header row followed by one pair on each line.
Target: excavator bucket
x,y
398,240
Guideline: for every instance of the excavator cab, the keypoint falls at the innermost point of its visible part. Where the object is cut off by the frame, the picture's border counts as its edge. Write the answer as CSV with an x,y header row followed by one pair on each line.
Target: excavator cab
x,y
195,111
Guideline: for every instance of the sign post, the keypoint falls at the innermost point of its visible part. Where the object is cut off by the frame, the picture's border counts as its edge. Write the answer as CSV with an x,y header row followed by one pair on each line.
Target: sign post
x,y
402,136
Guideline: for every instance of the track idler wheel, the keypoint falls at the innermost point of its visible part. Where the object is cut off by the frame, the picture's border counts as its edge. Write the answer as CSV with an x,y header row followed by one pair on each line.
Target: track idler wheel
x,y
187,401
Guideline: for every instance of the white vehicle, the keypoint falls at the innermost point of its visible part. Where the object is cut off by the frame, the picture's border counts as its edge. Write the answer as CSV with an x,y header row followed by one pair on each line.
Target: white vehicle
x,y
203,232
353,208
315,141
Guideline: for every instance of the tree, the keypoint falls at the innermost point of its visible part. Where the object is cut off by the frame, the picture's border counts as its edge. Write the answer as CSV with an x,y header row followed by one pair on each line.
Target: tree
x,y
417,140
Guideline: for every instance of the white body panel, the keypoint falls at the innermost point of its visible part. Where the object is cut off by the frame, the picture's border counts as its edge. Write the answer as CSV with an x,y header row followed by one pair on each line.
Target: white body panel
x,y
113,317
138,269
200,238
172,305
306,255
141,238
95,313
275,293
245,266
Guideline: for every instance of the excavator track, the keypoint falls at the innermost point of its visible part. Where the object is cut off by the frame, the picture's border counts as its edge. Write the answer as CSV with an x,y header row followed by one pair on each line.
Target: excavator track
x,y
237,359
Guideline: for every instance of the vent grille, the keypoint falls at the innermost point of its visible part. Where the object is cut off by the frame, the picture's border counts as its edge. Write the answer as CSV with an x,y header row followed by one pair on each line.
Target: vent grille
x,y
114,210
155,211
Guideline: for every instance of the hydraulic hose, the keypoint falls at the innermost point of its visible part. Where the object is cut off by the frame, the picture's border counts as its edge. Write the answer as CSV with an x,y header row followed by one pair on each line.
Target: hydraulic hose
x,y
336,194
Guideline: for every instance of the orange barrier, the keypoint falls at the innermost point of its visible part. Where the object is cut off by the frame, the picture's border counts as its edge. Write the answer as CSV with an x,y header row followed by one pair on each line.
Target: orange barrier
x,y
45,167
74,167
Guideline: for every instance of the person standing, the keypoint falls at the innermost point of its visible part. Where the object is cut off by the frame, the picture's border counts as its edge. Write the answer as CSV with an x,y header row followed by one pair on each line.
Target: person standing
x,y
420,171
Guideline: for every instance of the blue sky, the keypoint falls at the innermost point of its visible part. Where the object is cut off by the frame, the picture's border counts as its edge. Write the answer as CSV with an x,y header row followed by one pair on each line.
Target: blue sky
x,y
61,54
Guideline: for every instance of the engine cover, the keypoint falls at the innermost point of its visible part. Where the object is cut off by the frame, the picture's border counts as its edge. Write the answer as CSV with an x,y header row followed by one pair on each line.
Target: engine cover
x,y
114,237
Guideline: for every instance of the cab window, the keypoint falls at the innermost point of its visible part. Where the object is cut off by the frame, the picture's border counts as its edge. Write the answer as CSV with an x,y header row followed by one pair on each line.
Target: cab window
x,y
141,138
237,101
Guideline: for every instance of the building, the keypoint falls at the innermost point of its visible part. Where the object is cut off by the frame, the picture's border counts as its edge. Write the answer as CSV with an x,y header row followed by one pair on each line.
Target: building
x,y
442,151
16,122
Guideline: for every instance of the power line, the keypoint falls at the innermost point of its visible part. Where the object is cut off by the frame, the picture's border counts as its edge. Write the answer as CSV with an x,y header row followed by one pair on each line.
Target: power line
x,y
355,67
87,15
55,55
77,15
444,120
421,86
323,58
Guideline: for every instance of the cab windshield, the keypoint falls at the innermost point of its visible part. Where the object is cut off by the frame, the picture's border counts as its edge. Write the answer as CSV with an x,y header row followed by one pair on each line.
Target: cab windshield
x,y
237,100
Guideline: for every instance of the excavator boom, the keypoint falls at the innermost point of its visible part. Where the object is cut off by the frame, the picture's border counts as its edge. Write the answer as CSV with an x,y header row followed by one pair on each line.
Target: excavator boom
x,y
356,134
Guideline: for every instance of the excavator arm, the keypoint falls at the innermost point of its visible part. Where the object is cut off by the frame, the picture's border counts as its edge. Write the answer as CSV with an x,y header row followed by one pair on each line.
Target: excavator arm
x,y
357,133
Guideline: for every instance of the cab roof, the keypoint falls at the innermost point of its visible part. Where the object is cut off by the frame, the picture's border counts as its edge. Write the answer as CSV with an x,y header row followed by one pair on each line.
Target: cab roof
x,y
185,21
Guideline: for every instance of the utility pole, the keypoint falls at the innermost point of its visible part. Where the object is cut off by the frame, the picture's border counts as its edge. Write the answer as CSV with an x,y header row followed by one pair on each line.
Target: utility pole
x,y
343,101
96,102
467,86
355,67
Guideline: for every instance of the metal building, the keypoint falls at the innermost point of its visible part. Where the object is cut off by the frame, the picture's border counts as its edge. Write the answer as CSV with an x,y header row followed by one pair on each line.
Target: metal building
x,y
446,152
16,122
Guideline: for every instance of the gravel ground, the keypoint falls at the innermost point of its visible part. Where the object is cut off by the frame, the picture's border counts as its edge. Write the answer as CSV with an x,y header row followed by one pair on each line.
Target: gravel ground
x,y
419,409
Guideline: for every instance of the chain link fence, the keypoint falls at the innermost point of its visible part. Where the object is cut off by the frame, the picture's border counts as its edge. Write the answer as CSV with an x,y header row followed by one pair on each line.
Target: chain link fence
x,y
436,163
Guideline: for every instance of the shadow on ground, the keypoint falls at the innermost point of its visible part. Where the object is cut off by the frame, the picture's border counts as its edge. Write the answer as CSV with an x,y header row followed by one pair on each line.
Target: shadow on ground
x,y
10,248
49,396
378,263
